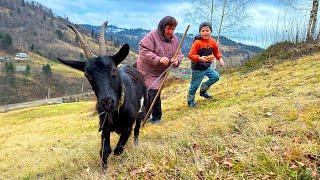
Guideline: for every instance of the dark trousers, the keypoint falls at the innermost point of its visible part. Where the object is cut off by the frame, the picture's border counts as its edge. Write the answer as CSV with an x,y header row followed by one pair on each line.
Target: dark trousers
x,y
156,110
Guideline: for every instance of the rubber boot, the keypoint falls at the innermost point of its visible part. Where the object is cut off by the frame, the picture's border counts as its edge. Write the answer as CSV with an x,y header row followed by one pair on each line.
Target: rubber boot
x,y
190,100
204,91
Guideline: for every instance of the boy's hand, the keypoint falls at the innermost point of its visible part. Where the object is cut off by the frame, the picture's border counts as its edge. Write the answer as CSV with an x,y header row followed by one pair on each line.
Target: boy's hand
x,y
164,61
210,58
221,62
203,58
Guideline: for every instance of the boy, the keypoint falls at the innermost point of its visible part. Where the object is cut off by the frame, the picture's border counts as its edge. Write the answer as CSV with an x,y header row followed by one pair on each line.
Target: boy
x,y
203,51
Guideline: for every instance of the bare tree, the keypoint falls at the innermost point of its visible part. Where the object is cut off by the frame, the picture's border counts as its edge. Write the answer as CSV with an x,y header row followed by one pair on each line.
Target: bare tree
x,y
232,12
312,20
303,5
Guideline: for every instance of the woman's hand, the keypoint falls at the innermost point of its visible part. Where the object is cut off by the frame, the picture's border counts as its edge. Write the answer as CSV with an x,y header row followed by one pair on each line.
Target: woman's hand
x,y
164,61
174,61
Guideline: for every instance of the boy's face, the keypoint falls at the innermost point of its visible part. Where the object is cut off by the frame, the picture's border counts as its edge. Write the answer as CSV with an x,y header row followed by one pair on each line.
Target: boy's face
x,y
205,32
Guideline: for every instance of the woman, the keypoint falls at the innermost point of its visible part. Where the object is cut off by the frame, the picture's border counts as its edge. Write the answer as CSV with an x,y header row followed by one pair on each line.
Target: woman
x,y
156,51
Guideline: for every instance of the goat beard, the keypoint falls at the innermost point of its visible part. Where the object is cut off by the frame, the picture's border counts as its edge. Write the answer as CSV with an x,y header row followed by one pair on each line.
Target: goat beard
x,y
105,118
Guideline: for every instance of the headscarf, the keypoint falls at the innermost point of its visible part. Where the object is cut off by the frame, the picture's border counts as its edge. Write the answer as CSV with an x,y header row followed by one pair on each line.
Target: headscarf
x,y
166,21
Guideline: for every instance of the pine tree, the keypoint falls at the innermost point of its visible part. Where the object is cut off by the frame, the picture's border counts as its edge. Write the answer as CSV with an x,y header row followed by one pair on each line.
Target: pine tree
x,y
59,34
92,33
46,70
7,41
32,47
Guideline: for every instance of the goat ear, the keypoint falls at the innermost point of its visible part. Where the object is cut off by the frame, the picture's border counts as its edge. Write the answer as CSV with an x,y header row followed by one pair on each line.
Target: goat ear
x,y
74,64
121,54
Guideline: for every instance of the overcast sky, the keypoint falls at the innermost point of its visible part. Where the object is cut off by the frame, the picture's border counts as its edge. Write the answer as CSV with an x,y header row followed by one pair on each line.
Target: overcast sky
x,y
147,13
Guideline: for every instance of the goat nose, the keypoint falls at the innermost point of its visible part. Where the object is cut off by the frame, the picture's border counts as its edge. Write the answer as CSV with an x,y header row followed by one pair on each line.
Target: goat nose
x,y
107,102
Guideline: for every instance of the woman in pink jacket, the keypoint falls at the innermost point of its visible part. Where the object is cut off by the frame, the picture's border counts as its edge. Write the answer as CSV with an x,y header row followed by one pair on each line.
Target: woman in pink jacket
x,y
156,51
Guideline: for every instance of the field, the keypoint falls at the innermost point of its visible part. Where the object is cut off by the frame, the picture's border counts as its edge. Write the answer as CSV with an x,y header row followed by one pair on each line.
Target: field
x,y
263,124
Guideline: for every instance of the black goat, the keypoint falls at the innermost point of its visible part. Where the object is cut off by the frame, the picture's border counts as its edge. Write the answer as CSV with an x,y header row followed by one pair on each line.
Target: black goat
x,y
120,92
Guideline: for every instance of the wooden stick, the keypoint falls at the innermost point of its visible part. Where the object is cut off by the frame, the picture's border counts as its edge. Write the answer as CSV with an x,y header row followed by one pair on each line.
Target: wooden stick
x,y
165,77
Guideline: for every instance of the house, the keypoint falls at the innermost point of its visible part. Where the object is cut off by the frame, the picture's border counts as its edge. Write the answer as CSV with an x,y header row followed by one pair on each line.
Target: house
x,y
21,68
4,58
21,56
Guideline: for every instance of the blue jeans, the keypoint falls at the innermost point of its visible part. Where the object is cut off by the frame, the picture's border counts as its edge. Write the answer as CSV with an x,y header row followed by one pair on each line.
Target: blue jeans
x,y
198,75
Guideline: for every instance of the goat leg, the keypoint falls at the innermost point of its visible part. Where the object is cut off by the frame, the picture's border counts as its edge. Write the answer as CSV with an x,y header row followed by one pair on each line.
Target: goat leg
x,y
122,141
136,132
105,148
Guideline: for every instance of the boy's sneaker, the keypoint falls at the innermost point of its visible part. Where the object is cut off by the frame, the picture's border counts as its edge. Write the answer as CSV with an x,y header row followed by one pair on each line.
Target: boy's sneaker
x,y
205,94
191,104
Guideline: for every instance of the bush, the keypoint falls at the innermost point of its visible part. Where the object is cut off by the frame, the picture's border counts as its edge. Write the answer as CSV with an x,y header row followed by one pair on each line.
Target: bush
x,y
280,52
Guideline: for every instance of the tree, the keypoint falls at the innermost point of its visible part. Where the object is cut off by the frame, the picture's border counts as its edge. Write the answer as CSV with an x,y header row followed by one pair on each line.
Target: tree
x,y
46,70
304,7
26,73
235,16
92,33
9,69
5,41
59,34
32,47
312,20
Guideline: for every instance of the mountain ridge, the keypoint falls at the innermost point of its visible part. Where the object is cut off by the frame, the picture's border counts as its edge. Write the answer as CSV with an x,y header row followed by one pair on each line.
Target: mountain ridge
x,y
233,51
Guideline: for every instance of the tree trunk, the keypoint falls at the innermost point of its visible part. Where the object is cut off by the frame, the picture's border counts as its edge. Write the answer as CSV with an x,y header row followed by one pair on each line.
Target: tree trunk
x,y
312,20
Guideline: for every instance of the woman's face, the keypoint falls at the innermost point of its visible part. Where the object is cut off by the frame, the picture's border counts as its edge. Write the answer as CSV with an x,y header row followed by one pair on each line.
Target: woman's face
x,y
168,31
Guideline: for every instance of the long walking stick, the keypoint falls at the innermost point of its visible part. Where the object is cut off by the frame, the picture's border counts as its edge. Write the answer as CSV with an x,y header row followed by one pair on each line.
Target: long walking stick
x,y
165,77
219,32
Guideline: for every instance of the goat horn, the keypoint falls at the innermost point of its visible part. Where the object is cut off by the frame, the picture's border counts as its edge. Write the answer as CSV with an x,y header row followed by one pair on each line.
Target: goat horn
x,y
83,44
102,41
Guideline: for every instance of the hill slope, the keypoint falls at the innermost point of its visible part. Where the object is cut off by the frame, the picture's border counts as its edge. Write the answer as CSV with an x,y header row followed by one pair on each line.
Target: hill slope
x,y
262,124
22,87
34,27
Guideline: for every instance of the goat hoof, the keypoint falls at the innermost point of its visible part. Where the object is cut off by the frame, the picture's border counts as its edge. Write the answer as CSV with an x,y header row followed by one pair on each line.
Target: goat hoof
x,y
136,142
104,166
118,150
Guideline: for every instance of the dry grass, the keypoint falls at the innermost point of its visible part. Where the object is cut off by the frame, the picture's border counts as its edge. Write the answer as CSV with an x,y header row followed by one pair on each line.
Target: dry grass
x,y
261,125
39,61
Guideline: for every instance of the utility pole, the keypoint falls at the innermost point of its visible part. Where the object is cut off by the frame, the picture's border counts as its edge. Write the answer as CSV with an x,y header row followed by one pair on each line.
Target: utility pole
x,y
48,93
81,88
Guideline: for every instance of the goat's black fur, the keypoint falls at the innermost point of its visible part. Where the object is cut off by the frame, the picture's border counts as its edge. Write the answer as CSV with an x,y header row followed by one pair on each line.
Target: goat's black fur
x,y
109,83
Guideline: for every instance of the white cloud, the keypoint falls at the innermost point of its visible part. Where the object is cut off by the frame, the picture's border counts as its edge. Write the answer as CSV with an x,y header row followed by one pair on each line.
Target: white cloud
x,y
124,13
263,13
146,14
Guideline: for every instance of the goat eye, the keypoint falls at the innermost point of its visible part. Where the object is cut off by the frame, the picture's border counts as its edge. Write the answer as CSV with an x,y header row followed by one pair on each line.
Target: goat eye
x,y
114,71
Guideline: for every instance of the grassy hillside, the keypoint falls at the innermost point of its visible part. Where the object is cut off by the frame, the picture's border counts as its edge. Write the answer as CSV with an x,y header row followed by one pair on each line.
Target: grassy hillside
x,y
263,124
21,87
